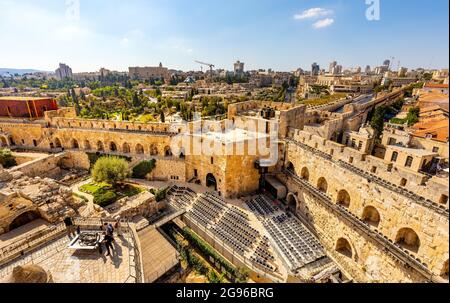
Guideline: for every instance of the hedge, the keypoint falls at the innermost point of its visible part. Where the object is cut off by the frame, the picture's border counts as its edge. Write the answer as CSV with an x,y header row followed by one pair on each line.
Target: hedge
x,y
105,198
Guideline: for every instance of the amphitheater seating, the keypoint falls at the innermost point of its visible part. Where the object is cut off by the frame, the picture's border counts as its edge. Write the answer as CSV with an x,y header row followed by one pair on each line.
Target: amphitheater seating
x,y
294,241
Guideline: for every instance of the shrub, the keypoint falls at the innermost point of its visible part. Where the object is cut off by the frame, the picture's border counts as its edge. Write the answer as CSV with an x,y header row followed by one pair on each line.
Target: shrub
x,y
6,158
105,198
111,170
143,169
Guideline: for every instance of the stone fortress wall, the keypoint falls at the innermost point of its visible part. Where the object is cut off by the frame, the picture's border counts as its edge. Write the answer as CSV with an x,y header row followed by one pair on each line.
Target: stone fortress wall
x,y
395,203
397,213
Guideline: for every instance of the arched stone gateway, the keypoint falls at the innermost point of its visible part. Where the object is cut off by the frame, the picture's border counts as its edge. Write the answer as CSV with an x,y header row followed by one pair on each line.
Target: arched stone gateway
x,y
24,219
211,182
408,239
292,202
305,174
126,148
343,198
322,185
371,216
139,149
343,247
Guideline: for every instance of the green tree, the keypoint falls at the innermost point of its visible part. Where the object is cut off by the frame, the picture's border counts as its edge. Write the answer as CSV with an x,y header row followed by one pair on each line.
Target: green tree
x,y
111,170
377,120
413,116
163,117
6,158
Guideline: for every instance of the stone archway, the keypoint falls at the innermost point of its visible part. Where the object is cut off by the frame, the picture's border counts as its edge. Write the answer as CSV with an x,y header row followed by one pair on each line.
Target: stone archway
x,y
322,185
371,216
126,148
75,144
112,147
167,151
305,174
24,219
343,198
292,202
290,167
100,146
408,239
153,150
139,149
343,247
3,142
211,181
87,145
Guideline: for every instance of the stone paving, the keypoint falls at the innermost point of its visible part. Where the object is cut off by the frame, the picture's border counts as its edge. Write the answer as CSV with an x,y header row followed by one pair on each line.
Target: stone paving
x,y
69,266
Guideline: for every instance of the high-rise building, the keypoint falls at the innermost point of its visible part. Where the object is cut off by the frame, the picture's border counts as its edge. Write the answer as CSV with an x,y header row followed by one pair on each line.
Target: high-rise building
x,y
368,70
332,66
315,69
402,72
239,67
387,63
63,72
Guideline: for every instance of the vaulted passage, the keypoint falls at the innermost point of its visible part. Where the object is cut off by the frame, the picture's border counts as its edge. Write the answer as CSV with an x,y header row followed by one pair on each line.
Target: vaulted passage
x,y
58,143
139,149
305,174
126,148
343,198
23,219
112,147
322,185
87,145
100,146
75,144
211,182
153,150
291,167
408,239
343,247
371,216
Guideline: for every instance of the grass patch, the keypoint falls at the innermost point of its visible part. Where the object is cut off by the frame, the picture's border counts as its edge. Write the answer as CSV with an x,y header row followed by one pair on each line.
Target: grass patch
x,y
323,100
105,194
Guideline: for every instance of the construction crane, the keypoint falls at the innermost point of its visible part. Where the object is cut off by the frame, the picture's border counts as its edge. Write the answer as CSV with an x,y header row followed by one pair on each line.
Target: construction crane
x,y
211,66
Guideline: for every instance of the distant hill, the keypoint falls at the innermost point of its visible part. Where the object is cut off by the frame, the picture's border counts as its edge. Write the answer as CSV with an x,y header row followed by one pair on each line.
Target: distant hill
x,y
13,71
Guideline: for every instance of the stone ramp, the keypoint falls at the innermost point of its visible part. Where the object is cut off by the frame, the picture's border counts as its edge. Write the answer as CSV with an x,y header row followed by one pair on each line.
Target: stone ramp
x,y
158,255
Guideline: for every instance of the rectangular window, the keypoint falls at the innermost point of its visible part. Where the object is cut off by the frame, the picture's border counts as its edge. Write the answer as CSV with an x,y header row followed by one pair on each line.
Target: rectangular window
x,y
409,161
435,149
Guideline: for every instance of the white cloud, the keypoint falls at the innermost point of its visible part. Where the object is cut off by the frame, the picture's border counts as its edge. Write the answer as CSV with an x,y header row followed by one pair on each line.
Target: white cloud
x,y
323,23
313,13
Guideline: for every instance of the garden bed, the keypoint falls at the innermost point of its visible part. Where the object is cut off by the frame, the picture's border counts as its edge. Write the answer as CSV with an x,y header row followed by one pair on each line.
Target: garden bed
x,y
106,194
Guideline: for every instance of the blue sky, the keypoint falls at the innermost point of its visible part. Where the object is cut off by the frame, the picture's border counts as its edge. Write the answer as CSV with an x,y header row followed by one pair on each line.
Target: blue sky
x,y
277,34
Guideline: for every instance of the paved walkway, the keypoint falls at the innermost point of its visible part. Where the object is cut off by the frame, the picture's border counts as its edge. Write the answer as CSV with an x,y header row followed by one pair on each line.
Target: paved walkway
x,y
71,266
90,205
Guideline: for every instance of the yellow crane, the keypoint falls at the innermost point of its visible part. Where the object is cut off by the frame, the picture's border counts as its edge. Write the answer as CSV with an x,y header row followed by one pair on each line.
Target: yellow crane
x,y
211,66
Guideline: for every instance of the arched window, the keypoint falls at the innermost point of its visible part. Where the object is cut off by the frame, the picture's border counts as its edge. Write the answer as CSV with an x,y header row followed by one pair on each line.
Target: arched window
x,y
305,173
153,150
112,147
394,157
75,144
371,216
126,148
139,149
167,151
409,161
408,238
87,145
343,247
100,146
322,185
292,202
343,198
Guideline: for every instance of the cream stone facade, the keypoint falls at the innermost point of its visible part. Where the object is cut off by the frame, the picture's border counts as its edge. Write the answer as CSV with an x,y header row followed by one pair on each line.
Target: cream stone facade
x,y
379,221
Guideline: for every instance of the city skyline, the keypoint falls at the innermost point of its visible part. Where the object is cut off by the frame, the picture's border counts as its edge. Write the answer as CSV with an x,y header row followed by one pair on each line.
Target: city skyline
x,y
266,34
